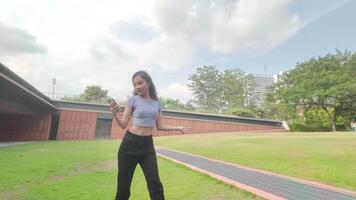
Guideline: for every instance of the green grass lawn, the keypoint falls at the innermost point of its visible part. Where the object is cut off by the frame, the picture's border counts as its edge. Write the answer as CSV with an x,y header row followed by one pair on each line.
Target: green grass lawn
x,y
87,170
324,157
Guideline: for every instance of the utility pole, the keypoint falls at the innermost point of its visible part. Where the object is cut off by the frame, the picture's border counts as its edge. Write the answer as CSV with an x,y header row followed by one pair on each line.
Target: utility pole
x,y
54,81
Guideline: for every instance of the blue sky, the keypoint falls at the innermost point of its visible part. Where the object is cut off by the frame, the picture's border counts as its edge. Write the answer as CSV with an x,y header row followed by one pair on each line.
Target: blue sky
x,y
334,30
105,42
324,35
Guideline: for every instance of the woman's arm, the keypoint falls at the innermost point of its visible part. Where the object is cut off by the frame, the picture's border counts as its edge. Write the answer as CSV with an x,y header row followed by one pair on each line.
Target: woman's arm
x,y
124,121
164,127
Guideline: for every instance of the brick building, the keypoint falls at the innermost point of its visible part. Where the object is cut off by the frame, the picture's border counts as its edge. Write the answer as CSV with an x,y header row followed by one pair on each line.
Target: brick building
x,y
27,114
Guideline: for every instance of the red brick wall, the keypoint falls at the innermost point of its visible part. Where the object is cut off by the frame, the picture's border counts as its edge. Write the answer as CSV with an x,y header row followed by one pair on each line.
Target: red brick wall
x,y
15,127
205,126
76,125
200,126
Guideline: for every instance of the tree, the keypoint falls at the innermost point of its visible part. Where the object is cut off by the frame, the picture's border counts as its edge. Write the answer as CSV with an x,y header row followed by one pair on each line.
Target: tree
x,y
93,94
276,108
207,88
249,92
175,104
327,83
222,92
236,89
71,98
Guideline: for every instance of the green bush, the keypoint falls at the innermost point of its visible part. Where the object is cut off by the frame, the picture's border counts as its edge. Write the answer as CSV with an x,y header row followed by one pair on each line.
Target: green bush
x,y
302,127
342,127
314,120
241,112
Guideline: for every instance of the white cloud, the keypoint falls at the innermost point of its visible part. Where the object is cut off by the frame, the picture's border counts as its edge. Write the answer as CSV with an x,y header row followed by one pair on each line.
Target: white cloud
x,y
90,43
224,27
133,31
176,91
229,26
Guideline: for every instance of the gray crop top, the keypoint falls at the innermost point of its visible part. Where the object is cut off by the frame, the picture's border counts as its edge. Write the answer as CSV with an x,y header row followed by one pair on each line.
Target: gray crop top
x,y
144,111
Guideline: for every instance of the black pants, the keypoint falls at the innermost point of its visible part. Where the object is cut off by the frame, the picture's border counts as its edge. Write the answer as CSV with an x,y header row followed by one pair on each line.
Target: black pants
x,y
135,149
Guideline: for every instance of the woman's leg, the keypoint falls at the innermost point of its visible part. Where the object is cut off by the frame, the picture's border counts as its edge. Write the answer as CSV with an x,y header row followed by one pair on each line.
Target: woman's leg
x,y
150,169
126,165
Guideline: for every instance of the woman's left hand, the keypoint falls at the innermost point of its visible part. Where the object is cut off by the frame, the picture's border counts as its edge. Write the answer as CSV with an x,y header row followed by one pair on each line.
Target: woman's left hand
x,y
182,129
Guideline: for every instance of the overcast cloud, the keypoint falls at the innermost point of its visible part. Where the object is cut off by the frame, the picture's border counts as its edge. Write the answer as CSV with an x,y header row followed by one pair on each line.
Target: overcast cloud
x,y
105,42
14,40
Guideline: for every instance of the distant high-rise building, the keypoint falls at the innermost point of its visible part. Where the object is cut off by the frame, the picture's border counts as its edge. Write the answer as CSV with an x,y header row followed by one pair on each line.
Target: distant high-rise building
x,y
263,82
278,77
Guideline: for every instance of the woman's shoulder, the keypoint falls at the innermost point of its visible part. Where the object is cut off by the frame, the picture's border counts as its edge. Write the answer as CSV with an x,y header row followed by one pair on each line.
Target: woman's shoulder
x,y
133,96
131,100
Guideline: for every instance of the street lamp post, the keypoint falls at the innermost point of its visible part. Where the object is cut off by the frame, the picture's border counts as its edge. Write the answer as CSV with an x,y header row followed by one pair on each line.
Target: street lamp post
x,y
54,81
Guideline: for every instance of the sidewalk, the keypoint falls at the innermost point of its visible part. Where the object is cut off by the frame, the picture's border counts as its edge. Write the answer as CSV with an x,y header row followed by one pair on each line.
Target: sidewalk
x,y
6,144
264,184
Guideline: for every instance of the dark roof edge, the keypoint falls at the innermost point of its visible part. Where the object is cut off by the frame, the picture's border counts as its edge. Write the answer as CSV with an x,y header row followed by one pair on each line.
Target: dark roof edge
x,y
15,79
225,116
81,103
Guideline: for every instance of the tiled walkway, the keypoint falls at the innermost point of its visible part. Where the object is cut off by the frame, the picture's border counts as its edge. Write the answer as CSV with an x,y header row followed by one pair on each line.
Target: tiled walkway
x,y
267,185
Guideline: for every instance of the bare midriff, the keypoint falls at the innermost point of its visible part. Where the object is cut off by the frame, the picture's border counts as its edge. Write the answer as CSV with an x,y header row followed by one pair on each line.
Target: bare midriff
x,y
140,130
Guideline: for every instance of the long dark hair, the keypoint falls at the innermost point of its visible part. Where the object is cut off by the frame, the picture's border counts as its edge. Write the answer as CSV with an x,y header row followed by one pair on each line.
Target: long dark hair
x,y
147,77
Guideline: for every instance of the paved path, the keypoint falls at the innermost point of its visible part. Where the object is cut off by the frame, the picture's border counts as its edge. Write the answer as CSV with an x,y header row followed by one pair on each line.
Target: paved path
x,y
267,185
6,144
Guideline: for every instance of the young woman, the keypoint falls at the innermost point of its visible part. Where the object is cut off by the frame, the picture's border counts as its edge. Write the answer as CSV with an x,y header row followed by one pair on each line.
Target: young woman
x,y
137,145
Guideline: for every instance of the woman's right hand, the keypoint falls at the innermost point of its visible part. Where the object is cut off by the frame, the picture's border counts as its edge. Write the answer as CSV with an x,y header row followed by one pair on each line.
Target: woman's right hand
x,y
114,107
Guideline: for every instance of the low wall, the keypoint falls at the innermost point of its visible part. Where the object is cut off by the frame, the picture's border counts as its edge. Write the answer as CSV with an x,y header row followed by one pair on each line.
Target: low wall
x,y
198,126
17,127
76,125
